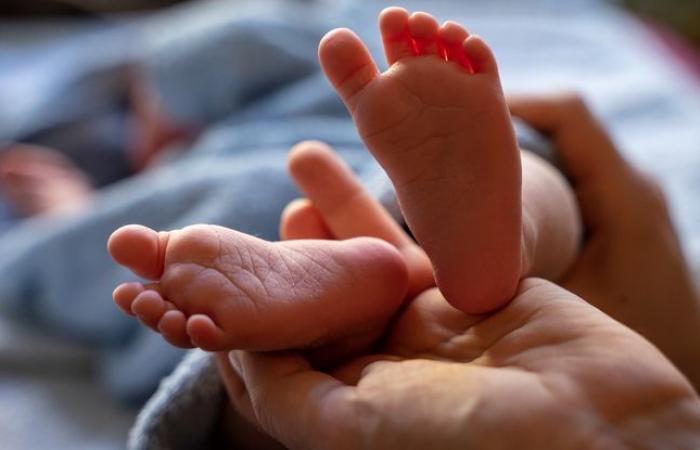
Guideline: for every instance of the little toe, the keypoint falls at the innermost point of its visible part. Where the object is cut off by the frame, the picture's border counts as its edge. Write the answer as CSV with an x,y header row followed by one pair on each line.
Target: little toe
x,y
149,307
347,63
393,25
479,55
139,248
173,327
424,31
205,334
125,294
452,36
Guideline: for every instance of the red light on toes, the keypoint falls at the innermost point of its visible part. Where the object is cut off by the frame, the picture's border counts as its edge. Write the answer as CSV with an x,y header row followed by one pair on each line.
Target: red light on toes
x,y
454,52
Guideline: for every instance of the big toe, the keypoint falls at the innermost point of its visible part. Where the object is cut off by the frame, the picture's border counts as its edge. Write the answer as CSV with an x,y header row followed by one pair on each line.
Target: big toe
x,y
347,63
139,248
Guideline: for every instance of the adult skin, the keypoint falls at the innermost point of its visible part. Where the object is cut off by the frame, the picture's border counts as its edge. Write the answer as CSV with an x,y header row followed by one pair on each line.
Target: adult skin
x,y
632,266
547,371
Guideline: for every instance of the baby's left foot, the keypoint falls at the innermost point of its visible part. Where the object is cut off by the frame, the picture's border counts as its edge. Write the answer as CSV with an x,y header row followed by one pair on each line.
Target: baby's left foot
x,y
219,289
437,122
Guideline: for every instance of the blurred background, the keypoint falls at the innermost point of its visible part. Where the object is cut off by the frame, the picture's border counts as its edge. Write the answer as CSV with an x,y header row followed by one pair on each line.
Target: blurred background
x,y
168,113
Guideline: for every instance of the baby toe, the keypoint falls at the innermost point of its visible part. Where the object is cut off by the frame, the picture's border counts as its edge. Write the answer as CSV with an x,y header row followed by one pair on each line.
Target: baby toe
x,y
173,328
125,294
479,55
205,334
452,33
424,30
393,25
149,307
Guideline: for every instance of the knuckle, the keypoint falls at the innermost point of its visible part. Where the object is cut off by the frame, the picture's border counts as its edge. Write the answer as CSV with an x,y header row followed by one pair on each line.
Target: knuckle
x,y
572,106
573,101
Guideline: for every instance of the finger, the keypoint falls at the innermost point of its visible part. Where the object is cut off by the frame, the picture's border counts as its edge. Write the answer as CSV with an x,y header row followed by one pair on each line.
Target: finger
x,y
338,195
301,220
607,188
349,210
241,426
585,148
294,403
235,388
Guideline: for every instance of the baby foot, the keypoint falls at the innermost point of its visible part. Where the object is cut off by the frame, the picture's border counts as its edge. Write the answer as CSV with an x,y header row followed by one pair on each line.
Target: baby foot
x,y
437,122
219,289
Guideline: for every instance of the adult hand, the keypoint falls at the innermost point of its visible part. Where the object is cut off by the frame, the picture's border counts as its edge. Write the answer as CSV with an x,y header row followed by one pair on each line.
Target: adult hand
x,y
547,371
631,266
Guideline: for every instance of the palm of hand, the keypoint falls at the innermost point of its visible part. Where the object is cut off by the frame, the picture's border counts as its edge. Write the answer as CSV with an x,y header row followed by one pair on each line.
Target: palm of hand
x,y
515,368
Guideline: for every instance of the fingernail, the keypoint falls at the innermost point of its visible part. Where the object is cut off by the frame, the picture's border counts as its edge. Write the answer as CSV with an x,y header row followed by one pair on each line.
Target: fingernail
x,y
233,359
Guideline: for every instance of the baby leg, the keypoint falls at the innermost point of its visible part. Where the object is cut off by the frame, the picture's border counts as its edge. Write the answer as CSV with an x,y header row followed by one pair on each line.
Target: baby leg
x,y
551,221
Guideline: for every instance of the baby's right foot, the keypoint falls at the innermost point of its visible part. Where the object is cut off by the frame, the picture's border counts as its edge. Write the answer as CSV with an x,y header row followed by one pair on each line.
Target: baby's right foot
x,y
219,289
438,123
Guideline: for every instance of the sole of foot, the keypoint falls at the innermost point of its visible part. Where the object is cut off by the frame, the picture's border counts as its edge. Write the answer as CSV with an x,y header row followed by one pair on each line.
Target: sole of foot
x,y
437,122
218,289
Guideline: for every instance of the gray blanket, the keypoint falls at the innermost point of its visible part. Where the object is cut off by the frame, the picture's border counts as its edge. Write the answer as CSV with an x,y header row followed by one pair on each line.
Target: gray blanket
x,y
247,72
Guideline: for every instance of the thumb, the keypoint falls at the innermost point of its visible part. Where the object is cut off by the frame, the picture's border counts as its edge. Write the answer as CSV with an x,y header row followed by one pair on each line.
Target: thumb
x,y
299,406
